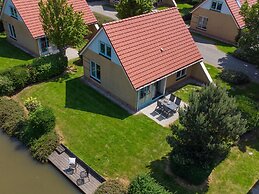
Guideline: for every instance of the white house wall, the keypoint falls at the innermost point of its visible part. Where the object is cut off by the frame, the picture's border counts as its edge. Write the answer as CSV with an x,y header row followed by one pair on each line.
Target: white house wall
x,y
95,46
207,5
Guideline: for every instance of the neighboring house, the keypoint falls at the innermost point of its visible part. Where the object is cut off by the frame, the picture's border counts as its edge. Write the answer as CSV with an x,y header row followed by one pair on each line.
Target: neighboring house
x,y
170,3
220,19
137,60
22,23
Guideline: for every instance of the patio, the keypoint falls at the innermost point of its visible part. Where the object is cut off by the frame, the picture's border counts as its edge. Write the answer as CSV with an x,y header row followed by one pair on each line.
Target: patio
x,y
150,111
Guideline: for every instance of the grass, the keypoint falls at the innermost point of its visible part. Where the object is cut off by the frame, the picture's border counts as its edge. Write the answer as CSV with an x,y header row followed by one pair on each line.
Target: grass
x,y
102,19
110,140
162,7
184,8
185,91
11,56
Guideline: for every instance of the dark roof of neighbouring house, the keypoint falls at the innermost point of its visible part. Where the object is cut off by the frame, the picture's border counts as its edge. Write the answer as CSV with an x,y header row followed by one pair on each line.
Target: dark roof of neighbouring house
x,y
30,13
235,10
153,45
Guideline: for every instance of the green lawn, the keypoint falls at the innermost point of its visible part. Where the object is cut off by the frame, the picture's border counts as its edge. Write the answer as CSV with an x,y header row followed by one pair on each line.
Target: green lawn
x,y
11,56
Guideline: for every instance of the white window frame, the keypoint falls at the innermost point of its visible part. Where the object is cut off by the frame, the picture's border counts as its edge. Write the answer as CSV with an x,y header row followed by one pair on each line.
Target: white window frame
x,y
14,13
93,73
203,24
12,32
217,4
106,47
181,74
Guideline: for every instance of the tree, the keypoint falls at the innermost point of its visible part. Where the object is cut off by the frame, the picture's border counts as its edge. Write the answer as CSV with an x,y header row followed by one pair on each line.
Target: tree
x,y
129,8
208,127
249,40
62,25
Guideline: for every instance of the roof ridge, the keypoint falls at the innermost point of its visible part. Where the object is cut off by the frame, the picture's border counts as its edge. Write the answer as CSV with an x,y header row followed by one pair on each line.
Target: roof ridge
x,y
139,16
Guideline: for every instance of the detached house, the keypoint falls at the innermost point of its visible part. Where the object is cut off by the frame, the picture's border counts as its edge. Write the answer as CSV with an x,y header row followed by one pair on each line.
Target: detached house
x,y
22,23
137,60
220,19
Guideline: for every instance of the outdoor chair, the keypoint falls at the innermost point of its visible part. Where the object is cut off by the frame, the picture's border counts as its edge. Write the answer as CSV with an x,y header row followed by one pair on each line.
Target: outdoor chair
x,y
166,112
172,98
177,102
159,107
72,163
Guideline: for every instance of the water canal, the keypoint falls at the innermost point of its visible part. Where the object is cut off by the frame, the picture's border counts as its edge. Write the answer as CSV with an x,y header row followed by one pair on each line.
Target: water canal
x,y
20,174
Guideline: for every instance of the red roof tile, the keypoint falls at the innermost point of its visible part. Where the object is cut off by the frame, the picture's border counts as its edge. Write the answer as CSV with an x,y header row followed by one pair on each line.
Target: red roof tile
x,y
153,45
235,9
29,11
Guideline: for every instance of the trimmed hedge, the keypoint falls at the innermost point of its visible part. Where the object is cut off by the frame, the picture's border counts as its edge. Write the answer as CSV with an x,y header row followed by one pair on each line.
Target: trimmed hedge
x,y
234,77
111,187
12,116
41,69
145,184
41,148
40,122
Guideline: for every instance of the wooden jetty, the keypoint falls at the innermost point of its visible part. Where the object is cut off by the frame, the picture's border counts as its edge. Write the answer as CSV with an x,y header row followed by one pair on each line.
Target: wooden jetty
x,y
60,157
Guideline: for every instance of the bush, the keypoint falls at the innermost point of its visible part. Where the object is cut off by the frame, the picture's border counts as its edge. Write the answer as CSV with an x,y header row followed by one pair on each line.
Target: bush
x,y
44,68
11,116
234,77
6,86
111,187
19,75
145,184
190,173
40,122
32,104
41,148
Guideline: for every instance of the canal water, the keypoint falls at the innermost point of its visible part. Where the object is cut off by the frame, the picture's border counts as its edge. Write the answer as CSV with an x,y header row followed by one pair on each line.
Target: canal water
x,y
20,174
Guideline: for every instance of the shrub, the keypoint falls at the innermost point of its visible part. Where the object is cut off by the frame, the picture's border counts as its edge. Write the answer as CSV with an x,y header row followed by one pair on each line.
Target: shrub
x,y
19,75
145,184
11,116
111,187
234,77
6,86
44,68
41,148
40,122
32,104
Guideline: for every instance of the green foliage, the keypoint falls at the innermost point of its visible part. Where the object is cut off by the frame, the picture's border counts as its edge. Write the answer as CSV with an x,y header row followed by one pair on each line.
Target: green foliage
x,y
234,77
32,104
19,75
144,184
41,148
11,116
129,8
63,26
208,127
6,86
111,187
40,122
44,68
248,42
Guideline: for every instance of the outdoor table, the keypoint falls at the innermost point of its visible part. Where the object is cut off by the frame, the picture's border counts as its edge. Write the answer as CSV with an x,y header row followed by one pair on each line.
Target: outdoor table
x,y
169,104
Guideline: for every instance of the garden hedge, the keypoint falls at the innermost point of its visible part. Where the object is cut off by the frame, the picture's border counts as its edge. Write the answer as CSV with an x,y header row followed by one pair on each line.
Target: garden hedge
x,y
111,187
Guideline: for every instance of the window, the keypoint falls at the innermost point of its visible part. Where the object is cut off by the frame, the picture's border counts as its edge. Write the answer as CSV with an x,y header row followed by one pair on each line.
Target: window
x,y
144,92
44,44
105,50
180,74
13,12
216,5
95,71
202,22
12,33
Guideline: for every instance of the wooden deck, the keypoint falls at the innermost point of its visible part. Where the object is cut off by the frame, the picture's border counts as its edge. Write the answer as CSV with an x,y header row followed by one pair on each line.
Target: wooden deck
x,y
60,161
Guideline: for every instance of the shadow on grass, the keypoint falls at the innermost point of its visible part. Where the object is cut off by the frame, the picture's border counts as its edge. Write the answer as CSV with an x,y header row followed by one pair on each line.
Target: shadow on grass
x,y
161,172
249,139
7,50
81,97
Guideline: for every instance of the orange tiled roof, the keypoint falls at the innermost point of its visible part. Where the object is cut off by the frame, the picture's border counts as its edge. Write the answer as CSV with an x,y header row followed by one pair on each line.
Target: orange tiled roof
x,y
29,11
235,9
152,45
